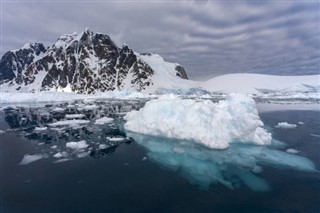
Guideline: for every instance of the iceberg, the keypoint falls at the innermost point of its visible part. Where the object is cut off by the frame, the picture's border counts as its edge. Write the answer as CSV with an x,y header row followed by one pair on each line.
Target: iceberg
x,y
214,125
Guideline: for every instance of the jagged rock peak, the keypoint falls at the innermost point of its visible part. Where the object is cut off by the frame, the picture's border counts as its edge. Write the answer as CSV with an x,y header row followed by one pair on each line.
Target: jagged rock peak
x,y
84,62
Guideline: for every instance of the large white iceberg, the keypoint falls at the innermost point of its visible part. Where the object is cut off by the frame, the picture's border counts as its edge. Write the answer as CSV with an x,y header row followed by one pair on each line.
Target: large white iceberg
x,y
214,125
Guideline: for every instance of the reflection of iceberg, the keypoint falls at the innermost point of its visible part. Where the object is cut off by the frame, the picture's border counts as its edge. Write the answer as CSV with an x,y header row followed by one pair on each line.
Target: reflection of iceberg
x,y
231,167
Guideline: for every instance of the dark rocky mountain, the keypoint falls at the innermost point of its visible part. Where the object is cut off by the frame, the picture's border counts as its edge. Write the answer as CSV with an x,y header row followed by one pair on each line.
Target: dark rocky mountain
x,y
83,63
14,62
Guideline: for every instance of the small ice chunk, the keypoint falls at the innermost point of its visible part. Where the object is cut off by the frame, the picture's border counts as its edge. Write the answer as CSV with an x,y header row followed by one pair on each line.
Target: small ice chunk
x,y
38,129
80,145
300,122
103,120
315,135
116,138
2,131
144,158
293,151
90,107
30,158
74,116
285,125
54,147
69,122
58,155
58,109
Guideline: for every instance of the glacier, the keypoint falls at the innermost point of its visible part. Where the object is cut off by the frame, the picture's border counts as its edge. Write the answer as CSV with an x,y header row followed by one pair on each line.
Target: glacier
x,y
214,125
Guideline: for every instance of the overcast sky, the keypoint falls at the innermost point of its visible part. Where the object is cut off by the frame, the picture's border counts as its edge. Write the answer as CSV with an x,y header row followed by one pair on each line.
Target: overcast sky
x,y
207,38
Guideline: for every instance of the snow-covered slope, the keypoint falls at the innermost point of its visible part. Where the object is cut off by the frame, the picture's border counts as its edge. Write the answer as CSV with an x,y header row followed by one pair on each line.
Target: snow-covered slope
x,y
259,83
165,74
85,63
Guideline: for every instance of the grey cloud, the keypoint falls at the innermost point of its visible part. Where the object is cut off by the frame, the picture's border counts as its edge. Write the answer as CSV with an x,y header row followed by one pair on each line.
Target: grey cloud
x,y
207,38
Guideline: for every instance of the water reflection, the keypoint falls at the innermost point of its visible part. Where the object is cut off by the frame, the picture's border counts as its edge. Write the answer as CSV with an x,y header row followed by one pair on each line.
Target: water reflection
x,y
238,165
53,126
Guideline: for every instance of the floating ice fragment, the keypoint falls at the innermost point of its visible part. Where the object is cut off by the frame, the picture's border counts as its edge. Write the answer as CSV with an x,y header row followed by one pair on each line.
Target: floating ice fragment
x,y
74,116
103,120
214,125
116,138
58,155
58,109
69,122
300,122
285,125
80,145
2,131
38,129
30,158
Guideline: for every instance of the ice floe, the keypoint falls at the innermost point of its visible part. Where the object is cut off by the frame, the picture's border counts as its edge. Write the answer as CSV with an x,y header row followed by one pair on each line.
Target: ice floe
x,y
116,138
30,158
103,120
285,125
80,145
69,122
38,129
74,116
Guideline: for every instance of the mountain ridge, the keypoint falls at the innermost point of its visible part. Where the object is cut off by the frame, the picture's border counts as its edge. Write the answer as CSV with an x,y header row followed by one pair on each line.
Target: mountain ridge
x,y
83,63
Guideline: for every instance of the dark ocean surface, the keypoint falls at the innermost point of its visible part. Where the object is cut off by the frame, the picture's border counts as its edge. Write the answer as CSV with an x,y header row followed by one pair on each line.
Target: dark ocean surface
x,y
127,175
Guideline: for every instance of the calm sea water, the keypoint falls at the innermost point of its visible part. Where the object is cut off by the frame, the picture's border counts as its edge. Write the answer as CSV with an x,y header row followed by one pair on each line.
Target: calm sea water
x,y
127,176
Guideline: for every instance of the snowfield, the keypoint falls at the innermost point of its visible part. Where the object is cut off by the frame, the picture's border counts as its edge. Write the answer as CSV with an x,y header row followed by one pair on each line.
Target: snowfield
x,y
252,83
262,86
214,125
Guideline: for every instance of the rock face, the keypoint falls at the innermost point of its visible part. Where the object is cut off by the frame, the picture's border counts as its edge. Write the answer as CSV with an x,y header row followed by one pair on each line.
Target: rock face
x,y
83,63
181,72
14,62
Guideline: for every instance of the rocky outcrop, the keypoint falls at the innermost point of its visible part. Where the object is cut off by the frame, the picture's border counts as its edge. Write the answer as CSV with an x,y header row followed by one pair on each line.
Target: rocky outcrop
x,y
14,62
